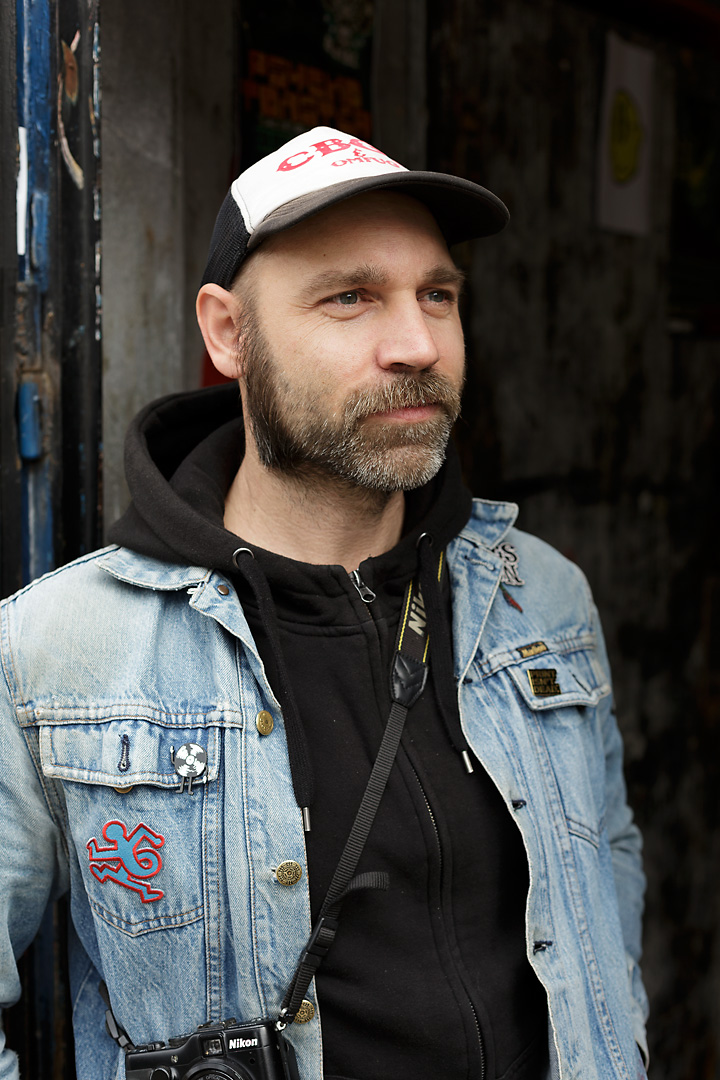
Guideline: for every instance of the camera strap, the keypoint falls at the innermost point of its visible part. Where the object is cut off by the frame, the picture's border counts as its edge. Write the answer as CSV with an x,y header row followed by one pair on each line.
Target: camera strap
x,y
408,676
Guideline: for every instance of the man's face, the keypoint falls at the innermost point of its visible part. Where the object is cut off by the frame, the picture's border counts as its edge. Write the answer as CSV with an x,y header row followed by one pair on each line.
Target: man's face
x,y
352,350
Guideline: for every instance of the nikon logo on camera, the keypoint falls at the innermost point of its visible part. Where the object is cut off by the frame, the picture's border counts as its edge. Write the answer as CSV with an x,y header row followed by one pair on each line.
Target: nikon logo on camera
x,y
241,1044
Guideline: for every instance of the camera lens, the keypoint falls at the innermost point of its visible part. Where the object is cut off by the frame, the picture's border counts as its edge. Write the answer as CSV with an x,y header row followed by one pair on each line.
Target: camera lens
x,y
218,1069
213,1075
212,1072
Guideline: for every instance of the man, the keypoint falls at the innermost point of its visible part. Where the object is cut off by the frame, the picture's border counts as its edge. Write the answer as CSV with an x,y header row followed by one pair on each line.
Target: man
x,y
192,715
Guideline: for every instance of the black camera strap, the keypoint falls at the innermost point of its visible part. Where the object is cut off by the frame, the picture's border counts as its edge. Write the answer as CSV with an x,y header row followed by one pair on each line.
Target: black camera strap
x,y
408,675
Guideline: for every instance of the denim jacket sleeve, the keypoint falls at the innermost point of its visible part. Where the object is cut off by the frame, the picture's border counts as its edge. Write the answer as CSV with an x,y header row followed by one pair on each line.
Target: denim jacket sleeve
x,y
536,704
626,849
33,868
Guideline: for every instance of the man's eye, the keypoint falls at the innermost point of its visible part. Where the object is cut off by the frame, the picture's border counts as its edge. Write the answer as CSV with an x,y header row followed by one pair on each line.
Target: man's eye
x,y
437,296
347,299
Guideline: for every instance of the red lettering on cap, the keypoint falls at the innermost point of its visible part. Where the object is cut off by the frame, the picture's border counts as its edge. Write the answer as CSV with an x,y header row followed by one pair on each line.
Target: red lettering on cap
x,y
364,145
325,147
331,146
293,163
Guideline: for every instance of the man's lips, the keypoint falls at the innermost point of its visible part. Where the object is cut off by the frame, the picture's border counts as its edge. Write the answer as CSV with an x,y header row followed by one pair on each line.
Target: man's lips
x,y
408,413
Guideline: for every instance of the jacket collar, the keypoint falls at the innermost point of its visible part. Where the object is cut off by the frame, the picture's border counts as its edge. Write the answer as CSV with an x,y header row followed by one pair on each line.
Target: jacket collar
x,y
474,566
489,522
476,570
149,573
486,527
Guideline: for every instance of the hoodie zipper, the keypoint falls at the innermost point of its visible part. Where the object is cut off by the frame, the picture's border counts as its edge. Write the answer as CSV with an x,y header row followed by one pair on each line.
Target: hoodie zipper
x,y
367,596
481,1045
366,593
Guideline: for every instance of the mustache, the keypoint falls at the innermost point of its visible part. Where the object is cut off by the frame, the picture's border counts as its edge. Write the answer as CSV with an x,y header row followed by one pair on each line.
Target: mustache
x,y
404,392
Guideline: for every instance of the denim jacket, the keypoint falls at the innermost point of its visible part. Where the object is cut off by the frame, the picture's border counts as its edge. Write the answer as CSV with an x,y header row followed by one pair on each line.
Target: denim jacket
x,y
116,659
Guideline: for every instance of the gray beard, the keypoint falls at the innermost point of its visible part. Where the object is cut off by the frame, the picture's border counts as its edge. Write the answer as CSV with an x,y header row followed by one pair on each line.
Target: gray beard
x,y
294,437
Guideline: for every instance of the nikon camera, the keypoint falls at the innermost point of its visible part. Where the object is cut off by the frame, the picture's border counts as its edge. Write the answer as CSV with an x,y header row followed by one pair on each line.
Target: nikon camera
x,y
224,1051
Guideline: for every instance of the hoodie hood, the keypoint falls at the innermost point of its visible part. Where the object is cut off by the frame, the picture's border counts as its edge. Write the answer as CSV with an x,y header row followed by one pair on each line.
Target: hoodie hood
x,y
176,513
181,455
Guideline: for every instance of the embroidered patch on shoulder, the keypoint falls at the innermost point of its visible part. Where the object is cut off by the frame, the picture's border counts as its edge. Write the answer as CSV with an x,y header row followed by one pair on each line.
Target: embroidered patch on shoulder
x,y
543,682
130,858
509,556
534,649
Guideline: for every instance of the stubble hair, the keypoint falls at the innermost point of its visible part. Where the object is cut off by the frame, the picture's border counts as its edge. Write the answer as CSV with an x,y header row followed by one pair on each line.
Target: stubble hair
x,y
295,436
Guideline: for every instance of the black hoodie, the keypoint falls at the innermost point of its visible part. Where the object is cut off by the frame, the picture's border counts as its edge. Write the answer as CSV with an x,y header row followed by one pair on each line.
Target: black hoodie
x,y
430,978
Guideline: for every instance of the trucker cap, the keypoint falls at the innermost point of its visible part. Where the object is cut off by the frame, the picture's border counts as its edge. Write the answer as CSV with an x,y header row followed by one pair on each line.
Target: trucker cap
x,y
322,167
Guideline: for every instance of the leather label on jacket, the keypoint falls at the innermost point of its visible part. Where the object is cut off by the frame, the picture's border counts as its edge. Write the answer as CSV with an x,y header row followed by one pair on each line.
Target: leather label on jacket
x,y
534,649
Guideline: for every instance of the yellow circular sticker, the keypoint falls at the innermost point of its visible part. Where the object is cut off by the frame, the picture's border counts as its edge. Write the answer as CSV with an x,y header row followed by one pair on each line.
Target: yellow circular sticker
x,y
626,137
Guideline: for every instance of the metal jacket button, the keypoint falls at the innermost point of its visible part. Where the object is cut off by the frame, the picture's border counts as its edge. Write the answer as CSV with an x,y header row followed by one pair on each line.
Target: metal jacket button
x,y
124,790
288,873
305,1013
223,590
264,722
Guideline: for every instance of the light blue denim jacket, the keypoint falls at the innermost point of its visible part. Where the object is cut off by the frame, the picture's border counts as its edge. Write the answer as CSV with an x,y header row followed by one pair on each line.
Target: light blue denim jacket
x,y
113,660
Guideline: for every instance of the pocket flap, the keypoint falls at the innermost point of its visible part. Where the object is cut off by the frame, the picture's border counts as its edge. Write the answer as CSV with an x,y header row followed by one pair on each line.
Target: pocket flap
x,y
124,753
552,680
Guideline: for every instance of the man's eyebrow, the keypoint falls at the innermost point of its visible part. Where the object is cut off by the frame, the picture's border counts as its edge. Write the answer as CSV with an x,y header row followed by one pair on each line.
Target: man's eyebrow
x,y
445,274
334,281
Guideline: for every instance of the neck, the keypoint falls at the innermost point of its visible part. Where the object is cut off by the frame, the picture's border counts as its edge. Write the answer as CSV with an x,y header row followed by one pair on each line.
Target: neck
x,y
313,519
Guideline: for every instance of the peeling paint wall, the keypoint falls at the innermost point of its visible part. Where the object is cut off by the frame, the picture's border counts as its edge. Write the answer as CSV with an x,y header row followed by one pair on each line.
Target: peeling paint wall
x,y
583,408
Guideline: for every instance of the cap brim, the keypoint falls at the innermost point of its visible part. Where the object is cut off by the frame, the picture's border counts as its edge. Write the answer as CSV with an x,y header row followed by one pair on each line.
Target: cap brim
x,y
463,210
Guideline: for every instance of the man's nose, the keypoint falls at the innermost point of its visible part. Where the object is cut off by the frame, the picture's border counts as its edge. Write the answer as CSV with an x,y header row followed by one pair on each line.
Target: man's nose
x,y
406,340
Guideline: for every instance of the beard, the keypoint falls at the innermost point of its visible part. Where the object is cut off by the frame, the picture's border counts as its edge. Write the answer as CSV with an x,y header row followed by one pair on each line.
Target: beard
x,y
296,435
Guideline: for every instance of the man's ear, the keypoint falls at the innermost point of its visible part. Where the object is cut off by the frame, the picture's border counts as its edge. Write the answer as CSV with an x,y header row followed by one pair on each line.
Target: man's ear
x,y
218,313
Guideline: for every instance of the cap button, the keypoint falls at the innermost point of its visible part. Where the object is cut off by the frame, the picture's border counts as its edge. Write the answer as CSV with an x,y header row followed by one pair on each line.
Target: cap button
x,y
305,1013
289,872
264,722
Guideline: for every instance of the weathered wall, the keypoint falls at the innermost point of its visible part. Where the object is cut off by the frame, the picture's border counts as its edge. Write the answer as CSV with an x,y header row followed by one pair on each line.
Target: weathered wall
x,y
583,408
168,135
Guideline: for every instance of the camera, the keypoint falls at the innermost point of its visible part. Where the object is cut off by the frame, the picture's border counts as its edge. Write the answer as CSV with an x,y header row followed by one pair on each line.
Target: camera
x,y
226,1051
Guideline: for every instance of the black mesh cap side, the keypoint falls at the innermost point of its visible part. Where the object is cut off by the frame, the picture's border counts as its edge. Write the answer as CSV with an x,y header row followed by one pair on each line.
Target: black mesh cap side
x,y
228,246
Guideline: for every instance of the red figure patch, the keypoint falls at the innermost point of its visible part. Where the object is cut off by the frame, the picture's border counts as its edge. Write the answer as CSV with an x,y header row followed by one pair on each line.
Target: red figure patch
x,y
129,860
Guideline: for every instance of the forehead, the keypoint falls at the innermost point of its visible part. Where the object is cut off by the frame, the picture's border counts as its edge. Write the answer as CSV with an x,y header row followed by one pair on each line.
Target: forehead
x,y
375,223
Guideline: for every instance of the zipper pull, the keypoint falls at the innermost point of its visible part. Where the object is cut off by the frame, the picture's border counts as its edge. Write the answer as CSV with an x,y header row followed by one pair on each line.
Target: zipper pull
x,y
366,594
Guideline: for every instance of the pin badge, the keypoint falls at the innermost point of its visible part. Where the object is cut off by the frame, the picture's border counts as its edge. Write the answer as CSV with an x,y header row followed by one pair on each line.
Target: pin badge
x,y
509,599
189,763
509,556
543,682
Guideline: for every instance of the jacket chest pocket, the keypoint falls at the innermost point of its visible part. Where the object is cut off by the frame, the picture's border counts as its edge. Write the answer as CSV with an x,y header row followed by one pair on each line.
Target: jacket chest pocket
x,y
565,693
562,697
139,839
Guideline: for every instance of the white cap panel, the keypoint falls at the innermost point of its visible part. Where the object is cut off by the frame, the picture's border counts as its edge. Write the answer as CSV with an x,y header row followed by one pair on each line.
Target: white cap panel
x,y
310,162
